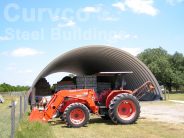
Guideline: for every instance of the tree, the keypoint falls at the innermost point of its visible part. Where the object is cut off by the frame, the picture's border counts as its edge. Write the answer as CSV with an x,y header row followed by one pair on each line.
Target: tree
x,y
157,60
177,64
6,88
168,69
1,89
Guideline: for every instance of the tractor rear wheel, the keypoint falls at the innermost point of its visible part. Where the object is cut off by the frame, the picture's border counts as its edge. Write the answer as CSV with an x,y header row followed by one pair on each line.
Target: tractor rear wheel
x,y
76,115
124,109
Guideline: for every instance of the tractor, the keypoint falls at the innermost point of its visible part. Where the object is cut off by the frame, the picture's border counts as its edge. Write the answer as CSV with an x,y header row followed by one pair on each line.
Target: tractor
x,y
75,106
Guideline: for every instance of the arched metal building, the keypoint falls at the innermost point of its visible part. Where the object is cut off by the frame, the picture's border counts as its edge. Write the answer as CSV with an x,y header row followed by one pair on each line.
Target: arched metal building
x,y
97,58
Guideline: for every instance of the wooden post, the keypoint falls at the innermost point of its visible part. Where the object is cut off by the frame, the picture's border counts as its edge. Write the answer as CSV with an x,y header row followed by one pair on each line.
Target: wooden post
x,y
165,94
33,102
25,103
20,107
168,95
12,119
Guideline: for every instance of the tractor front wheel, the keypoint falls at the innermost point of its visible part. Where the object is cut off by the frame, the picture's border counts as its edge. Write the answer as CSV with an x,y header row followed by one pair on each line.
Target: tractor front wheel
x,y
124,109
76,115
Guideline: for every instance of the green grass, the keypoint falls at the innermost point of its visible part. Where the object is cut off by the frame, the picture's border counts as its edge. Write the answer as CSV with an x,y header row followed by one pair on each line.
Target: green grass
x,y
97,128
177,96
28,129
5,116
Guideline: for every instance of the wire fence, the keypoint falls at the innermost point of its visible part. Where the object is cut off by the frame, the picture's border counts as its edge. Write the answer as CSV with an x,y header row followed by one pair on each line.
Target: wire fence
x,y
11,112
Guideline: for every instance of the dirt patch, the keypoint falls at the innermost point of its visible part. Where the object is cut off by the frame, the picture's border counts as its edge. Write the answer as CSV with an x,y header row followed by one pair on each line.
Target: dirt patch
x,y
163,111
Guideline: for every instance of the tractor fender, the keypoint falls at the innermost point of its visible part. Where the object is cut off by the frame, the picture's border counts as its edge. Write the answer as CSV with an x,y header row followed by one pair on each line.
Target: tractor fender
x,y
113,94
71,101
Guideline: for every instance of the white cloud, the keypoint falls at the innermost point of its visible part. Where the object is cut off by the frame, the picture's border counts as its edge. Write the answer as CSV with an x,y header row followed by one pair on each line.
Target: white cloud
x,y
91,9
117,37
103,13
142,6
59,18
27,71
138,6
62,21
109,18
68,23
119,5
4,38
174,2
55,18
22,52
122,36
133,51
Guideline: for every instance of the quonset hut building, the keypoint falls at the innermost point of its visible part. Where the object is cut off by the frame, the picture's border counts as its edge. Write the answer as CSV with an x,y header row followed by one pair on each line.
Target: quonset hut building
x,y
90,60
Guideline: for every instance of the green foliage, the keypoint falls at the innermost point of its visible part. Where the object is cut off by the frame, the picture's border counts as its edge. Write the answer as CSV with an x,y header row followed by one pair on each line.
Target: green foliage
x,y
28,129
8,88
157,61
177,63
168,69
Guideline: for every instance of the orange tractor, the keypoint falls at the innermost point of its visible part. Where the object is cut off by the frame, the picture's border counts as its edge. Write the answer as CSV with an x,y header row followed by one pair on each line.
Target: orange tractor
x,y
75,106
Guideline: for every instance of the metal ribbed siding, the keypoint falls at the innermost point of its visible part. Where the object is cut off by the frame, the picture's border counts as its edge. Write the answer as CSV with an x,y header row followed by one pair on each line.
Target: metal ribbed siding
x,y
93,59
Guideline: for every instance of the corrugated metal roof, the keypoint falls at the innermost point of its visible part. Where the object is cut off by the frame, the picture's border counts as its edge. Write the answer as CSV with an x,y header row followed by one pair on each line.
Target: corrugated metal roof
x,y
97,58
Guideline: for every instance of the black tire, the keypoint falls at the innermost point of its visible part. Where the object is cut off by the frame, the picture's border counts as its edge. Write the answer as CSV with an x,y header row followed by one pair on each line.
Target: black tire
x,y
76,106
115,105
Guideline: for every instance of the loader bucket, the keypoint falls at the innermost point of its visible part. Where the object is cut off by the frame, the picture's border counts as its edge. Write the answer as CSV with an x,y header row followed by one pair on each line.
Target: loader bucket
x,y
36,115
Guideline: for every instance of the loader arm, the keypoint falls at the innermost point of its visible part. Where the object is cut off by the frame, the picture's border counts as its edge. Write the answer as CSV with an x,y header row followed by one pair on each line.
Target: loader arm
x,y
53,105
143,89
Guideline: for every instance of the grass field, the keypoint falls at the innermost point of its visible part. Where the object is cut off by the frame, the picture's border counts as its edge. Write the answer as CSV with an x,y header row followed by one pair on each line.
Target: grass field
x,y
97,128
5,116
177,96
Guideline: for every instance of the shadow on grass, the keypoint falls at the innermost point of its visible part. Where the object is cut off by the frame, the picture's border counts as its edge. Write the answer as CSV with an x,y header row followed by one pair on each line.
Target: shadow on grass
x,y
142,118
100,121
56,122
91,121
107,122
73,127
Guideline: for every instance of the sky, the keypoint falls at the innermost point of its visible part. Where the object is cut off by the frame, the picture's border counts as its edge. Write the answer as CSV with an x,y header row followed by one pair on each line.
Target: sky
x,y
34,32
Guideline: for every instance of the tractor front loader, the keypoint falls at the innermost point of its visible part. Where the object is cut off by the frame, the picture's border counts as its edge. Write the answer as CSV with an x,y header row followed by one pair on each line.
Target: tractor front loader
x,y
75,106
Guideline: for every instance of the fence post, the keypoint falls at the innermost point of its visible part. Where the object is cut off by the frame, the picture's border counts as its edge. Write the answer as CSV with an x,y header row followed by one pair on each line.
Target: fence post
x,y
165,94
12,118
33,101
25,103
20,107
168,95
